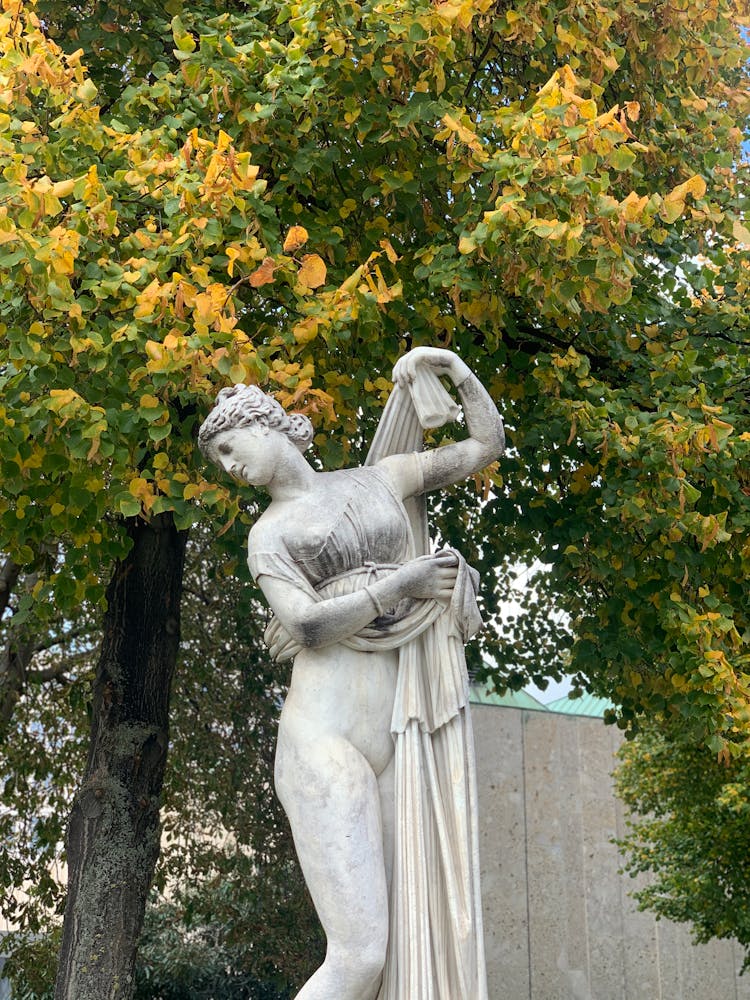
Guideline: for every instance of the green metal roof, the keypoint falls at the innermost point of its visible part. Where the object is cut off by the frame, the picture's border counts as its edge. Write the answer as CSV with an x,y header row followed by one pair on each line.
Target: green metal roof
x,y
587,704
480,695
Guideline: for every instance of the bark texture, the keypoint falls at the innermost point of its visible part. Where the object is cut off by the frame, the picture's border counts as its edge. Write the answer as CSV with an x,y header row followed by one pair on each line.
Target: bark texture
x,y
113,836
16,654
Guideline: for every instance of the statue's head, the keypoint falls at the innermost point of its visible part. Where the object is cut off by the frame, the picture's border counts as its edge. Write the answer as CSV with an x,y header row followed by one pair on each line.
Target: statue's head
x,y
247,406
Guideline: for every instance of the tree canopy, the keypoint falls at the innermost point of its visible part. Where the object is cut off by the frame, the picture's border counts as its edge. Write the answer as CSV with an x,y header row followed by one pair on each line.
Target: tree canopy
x,y
295,193
690,820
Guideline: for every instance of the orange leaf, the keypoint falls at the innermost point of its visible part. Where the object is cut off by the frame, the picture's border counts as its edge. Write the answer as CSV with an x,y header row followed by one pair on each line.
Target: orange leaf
x,y
295,238
633,110
390,252
263,275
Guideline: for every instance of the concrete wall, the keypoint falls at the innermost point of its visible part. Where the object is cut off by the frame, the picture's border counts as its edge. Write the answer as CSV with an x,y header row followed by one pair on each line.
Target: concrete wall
x,y
559,924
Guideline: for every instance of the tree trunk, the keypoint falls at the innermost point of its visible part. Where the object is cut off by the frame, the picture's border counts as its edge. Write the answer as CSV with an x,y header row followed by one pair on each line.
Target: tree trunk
x,y
15,655
113,836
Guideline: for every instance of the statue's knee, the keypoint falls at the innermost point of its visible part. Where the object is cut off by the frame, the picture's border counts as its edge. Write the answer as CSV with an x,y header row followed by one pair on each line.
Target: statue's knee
x,y
362,962
372,960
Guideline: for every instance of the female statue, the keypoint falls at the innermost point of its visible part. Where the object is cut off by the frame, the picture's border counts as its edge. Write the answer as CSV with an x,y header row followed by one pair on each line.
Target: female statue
x,y
374,763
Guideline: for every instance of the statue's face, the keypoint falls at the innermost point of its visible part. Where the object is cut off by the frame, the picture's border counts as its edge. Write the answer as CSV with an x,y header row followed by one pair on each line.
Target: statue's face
x,y
250,454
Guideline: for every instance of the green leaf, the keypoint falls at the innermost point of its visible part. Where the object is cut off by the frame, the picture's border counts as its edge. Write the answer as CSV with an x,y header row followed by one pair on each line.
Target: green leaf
x,y
622,158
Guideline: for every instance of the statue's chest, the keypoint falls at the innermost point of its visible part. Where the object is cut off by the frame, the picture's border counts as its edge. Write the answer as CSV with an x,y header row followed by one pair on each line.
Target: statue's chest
x,y
358,522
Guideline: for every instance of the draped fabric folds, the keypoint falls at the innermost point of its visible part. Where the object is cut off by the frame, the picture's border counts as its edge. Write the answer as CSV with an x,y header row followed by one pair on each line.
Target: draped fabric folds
x,y
436,945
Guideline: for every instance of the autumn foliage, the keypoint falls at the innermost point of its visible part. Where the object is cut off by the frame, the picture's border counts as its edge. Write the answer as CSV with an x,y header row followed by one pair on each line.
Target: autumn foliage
x,y
291,194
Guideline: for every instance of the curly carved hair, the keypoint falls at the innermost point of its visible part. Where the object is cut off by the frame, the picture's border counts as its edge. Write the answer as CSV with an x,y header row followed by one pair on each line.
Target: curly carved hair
x,y
249,406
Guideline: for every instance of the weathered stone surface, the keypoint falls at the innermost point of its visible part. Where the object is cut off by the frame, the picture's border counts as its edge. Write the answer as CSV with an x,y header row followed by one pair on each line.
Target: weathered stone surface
x,y
375,763
559,922
502,846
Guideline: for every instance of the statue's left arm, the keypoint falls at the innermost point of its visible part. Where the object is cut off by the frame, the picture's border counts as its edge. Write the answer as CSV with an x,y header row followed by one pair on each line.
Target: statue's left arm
x,y
438,467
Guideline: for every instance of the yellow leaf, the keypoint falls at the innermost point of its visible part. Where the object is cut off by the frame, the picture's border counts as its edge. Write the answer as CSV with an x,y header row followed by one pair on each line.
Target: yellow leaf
x,y
588,109
567,37
61,189
147,300
295,238
306,330
389,251
138,487
349,205
313,271
671,210
632,207
336,42
695,186
741,233
207,306
87,91
464,134
63,396
246,171
349,284
232,253
633,340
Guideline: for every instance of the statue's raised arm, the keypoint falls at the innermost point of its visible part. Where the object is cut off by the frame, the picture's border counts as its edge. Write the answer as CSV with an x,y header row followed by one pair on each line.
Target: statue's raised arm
x,y
418,403
374,762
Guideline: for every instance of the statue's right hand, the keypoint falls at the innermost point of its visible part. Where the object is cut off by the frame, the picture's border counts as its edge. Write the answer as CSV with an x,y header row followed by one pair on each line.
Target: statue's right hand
x,y
442,362
432,576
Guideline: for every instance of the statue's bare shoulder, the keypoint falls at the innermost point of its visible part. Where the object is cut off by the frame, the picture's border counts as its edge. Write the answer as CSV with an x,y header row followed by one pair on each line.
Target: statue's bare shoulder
x,y
282,521
267,534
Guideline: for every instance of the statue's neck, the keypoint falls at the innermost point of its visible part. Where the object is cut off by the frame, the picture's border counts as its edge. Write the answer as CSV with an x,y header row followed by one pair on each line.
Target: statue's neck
x,y
293,479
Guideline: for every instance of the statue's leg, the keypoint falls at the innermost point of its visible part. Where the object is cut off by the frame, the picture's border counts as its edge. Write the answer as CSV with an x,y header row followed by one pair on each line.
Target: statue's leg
x,y
330,794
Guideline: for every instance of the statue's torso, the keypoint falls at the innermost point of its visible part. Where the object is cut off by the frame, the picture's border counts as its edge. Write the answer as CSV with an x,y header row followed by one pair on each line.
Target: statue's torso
x,y
355,519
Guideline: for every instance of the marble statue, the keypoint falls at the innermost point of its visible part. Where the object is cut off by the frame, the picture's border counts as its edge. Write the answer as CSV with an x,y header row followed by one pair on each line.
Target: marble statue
x,y
375,760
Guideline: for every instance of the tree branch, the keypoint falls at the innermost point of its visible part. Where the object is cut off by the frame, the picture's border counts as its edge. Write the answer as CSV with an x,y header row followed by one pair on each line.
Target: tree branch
x,y
479,62
48,674
51,641
8,578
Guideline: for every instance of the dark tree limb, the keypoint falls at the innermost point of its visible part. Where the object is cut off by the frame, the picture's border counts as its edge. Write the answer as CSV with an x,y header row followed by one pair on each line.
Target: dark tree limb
x,y
15,658
60,640
57,672
114,831
8,579
16,654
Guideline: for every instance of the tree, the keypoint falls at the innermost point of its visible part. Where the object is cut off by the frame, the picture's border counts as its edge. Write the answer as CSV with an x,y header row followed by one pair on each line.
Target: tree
x,y
690,822
295,193
227,886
